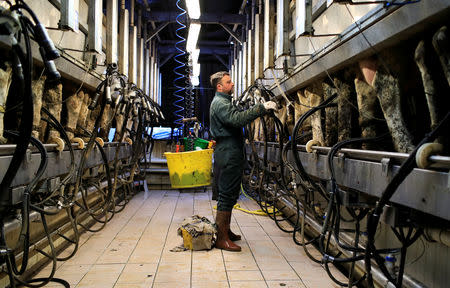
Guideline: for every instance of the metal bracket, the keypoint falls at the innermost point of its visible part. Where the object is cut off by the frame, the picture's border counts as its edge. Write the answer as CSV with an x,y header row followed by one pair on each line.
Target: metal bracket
x,y
231,33
341,160
27,159
17,194
315,155
448,181
53,183
156,31
221,60
385,165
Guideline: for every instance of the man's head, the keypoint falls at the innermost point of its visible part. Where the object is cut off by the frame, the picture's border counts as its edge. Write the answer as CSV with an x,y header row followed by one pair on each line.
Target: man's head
x,y
221,81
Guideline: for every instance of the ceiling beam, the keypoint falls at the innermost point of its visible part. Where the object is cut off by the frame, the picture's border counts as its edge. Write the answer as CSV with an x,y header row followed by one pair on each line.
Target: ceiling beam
x,y
241,12
233,34
169,49
208,18
154,32
199,43
168,57
221,60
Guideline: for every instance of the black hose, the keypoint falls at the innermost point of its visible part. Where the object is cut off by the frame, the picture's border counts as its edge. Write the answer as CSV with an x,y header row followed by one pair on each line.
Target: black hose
x,y
24,236
297,160
45,280
26,124
403,172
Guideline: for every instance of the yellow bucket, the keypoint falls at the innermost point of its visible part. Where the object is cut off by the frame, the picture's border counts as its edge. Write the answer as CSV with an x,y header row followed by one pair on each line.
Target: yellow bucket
x,y
190,169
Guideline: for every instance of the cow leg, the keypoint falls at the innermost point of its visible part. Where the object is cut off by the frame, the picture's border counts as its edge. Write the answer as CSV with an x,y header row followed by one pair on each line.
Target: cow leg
x,y
5,82
331,117
441,44
256,127
73,105
388,93
316,121
282,114
38,90
305,103
105,123
119,123
428,83
83,115
270,125
129,127
90,121
297,112
344,110
290,121
53,103
429,149
367,107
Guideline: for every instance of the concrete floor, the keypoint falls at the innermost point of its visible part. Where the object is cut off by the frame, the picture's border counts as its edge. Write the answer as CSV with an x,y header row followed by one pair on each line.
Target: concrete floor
x,y
133,250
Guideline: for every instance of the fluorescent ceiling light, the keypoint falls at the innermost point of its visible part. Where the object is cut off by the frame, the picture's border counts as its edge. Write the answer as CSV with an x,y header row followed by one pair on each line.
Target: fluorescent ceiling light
x,y
193,7
196,69
194,55
195,81
194,31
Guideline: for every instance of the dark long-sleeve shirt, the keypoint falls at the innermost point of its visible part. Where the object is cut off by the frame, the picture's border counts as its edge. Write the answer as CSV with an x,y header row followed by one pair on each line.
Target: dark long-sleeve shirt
x,y
226,121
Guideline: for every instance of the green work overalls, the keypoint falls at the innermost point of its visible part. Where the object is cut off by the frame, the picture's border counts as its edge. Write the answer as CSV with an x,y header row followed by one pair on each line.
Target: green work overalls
x,y
226,124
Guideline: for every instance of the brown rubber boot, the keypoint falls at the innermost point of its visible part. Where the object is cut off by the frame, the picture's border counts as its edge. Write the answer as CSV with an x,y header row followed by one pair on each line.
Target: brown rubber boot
x,y
233,237
223,226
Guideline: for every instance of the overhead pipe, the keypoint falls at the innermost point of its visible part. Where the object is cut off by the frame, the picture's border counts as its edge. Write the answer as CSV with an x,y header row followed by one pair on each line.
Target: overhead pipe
x,y
132,13
248,20
147,7
139,23
253,14
145,32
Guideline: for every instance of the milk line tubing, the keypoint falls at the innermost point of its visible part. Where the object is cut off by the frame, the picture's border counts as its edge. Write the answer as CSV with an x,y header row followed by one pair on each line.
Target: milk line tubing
x,y
296,184
126,99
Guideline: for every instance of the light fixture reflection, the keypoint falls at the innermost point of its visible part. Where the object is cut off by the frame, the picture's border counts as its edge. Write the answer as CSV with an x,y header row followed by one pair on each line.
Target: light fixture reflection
x,y
193,8
194,31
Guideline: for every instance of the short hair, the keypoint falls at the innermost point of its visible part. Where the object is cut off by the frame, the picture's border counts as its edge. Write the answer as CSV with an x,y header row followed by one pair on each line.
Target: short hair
x,y
217,77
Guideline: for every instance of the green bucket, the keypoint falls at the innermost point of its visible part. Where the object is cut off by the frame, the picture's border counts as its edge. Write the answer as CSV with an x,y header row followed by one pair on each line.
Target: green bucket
x,y
190,143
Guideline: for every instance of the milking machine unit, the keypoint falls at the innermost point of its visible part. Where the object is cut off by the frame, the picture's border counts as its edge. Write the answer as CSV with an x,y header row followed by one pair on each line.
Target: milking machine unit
x,y
69,186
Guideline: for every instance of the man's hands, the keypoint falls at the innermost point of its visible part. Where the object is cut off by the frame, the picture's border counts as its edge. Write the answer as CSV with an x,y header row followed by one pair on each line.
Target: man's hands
x,y
270,105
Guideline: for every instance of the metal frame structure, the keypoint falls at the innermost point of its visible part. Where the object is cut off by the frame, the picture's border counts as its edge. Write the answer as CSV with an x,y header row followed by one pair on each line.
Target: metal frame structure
x,y
380,27
369,172
58,163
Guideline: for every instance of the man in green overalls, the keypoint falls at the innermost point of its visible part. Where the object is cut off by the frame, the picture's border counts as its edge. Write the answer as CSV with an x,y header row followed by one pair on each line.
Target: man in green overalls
x,y
226,123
